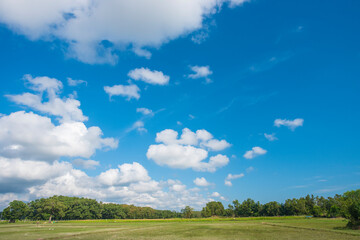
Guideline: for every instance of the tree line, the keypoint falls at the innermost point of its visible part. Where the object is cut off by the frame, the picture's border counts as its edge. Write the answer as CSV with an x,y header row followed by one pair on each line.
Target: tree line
x,y
70,208
74,208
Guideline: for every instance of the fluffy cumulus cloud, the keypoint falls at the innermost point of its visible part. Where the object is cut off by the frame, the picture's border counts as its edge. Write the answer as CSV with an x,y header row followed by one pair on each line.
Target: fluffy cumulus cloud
x,y
31,136
201,72
124,174
148,76
216,145
188,137
254,152
128,91
189,151
17,174
67,109
32,144
86,24
128,183
291,124
86,164
201,182
31,148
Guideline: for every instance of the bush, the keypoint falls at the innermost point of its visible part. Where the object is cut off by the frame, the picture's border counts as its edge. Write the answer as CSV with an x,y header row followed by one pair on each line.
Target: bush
x,y
352,208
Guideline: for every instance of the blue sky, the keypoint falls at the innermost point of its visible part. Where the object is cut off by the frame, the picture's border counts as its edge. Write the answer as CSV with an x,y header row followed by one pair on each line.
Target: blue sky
x,y
229,67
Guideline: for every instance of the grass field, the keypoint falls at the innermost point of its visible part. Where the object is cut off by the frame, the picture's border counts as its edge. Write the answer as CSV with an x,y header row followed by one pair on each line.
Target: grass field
x,y
240,228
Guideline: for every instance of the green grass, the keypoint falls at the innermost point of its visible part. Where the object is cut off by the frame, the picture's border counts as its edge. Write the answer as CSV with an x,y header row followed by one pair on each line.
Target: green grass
x,y
218,228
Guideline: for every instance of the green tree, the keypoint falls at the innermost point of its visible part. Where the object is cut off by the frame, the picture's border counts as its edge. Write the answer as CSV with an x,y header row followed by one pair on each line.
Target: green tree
x,y
351,205
271,209
16,210
230,211
213,209
187,212
54,208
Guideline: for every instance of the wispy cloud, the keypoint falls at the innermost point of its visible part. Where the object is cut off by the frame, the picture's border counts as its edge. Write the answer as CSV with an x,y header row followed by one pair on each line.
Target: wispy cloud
x,y
271,137
73,82
223,109
269,63
336,188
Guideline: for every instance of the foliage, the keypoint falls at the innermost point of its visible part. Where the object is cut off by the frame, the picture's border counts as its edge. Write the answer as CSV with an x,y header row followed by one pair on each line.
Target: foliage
x,y
16,210
351,203
74,208
187,212
213,209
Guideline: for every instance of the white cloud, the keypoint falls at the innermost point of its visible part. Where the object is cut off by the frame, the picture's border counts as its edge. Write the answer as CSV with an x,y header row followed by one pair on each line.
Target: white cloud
x,y
188,150
203,135
129,91
6,198
270,137
41,84
141,52
201,182
124,175
183,157
232,177
200,37
66,108
86,164
191,117
138,126
201,72
177,156
73,183
31,136
145,111
254,152
249,169
148,76
17,174
85,24
73,82
176,185
216,145
214,163
291,124
128,183
236,176
228,183
215,194
169,136
234,3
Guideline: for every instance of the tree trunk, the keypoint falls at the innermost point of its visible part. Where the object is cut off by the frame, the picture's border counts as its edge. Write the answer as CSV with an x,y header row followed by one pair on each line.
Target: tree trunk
x,y
50,219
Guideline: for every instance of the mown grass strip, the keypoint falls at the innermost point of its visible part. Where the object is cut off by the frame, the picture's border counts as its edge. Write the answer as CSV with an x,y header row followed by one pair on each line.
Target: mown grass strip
x,y
101,231
312,229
